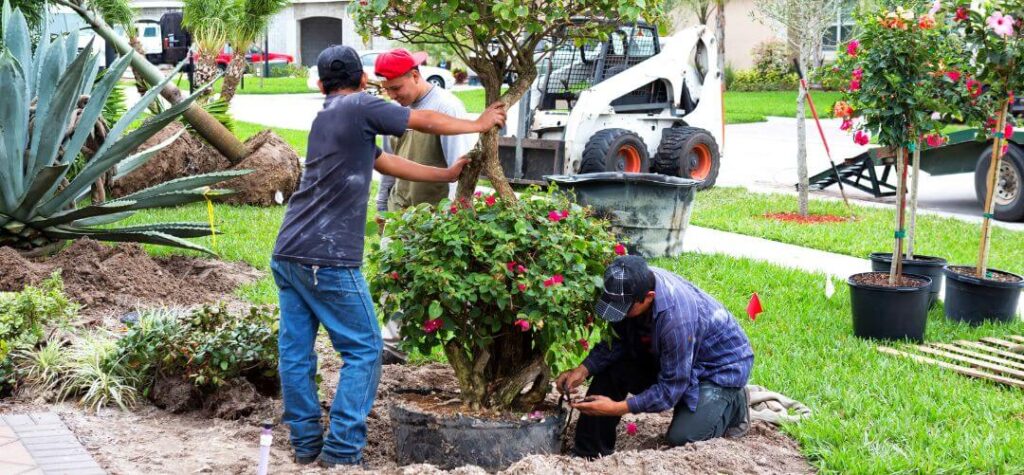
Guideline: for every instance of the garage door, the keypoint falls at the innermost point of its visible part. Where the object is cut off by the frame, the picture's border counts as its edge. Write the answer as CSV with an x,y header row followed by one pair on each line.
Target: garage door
x,y
317,33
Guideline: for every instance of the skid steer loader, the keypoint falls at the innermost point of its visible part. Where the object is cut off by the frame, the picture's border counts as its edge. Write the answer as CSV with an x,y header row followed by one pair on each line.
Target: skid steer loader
x,y
632,103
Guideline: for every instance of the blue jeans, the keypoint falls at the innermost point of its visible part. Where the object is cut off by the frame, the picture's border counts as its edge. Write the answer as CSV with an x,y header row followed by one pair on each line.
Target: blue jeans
x,y
339,299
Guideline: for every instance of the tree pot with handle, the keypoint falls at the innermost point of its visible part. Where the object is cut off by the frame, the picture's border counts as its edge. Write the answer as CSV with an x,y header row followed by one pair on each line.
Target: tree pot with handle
x,y
974,300
920,265
889,313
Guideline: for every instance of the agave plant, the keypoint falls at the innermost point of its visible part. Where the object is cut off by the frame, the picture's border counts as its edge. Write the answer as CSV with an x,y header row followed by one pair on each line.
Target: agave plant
x,y
51,104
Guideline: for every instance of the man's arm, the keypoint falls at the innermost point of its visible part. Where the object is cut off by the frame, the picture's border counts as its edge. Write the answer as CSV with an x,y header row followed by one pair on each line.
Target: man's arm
x,y
603,355
677,354
436,123
398,167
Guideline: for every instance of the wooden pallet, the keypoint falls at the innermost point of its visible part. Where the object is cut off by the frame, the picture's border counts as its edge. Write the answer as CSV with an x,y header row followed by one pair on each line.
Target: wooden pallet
x,y
1000,360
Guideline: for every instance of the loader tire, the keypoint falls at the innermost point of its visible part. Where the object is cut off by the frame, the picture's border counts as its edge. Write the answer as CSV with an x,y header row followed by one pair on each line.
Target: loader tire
x,y
1009,197
688,152
615,150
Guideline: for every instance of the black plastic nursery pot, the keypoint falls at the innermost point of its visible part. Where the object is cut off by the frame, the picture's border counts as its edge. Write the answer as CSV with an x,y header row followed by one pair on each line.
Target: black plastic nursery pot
x,y
889,313
453,441
971,299
919,265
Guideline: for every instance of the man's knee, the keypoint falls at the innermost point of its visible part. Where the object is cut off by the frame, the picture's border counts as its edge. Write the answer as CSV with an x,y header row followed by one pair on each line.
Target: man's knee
x,y
678,436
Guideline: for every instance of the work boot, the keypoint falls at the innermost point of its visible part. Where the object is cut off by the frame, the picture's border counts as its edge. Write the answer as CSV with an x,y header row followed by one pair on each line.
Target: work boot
x,y
742,426
391,354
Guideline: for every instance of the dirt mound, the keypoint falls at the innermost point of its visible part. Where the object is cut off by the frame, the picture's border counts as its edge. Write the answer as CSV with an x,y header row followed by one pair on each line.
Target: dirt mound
x,y
188,155
275,175
275,166
109,281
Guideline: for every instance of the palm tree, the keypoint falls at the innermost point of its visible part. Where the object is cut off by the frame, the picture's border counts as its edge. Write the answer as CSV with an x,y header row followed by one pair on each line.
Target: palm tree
x,y
209,21
720,34
249,20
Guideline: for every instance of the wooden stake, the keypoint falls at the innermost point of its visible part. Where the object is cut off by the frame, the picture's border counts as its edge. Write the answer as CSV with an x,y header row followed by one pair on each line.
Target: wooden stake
x,y
981,356
1019,349
992,181
896,268
1016,338
972,361
995,351
912,228
956,368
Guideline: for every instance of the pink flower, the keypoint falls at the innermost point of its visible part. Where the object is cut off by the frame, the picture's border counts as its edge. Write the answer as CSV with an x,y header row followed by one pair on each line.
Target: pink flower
x,y
554,217
584,343
961,14
854,85
548,282
1006,148
858,74
1008,131
511,265
631,428
852,47
490,200
523,325
522,287
557,278
478,194
431,326
861,138
935,7
973,87
565,213
1000,24
520,269
620,250
846,125
934,140
394,276
953,76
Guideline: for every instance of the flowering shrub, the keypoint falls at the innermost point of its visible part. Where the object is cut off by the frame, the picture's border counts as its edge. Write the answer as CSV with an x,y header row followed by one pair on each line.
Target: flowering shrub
x,y
506,288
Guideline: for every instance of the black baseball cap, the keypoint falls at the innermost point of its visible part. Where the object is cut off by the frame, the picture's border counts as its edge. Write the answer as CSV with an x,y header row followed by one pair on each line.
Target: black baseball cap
x,y
339,62
626,280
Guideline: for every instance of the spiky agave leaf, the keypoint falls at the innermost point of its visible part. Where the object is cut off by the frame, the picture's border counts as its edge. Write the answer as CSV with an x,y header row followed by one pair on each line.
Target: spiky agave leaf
x,y
37,148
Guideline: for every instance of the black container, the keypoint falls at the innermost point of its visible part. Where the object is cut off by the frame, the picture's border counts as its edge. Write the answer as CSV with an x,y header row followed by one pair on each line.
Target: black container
x,y
450,442
920,265
973,300
889,313
648,210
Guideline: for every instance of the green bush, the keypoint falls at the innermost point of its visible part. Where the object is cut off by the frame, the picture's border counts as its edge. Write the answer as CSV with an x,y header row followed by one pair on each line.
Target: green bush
x,y
753,80
506,288
24,316
772,59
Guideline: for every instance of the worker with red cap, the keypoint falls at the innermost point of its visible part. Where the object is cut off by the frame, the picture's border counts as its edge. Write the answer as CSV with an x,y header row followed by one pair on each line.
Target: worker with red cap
x,y
403,82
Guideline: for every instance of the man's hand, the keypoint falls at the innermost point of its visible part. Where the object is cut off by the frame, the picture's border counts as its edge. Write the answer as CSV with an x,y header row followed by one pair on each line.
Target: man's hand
x,y
601,406
455,170
493,116
568,381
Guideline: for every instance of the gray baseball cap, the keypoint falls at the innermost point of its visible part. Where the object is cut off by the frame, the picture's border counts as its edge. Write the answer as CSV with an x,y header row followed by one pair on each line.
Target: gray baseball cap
x,y
626,280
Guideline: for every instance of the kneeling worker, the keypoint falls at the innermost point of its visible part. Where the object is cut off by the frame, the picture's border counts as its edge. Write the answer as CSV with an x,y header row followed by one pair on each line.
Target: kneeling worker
x,y
675,347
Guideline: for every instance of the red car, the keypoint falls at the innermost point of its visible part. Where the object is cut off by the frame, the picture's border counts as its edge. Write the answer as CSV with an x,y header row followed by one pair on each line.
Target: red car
x,y
254,55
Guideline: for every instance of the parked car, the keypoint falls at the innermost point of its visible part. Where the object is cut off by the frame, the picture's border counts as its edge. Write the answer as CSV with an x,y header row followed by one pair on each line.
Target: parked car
x,y
254,55
437,76
152,41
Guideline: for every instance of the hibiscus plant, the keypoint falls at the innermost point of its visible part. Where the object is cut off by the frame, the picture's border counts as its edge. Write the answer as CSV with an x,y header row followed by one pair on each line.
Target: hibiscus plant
x,y
991,34
505,288
900,78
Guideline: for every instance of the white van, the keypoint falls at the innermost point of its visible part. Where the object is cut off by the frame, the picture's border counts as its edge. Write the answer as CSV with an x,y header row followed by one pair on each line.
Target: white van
x,y
151,39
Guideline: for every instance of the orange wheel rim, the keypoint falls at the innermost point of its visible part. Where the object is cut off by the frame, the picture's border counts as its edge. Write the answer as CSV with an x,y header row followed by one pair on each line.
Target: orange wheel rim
x,y
701,162
630,157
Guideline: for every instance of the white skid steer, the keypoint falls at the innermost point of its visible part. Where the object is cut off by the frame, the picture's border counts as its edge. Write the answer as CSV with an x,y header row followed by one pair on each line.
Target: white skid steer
x,y
633,103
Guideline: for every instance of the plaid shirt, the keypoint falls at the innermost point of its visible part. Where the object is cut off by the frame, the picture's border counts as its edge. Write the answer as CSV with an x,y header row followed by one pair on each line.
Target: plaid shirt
x,y
694,338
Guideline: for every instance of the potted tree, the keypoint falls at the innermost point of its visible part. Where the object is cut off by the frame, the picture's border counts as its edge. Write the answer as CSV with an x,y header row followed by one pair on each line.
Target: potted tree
x,y
894,68
992,37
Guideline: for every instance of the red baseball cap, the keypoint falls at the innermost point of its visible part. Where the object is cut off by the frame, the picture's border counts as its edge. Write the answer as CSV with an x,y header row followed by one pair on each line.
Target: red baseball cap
x,y
397,62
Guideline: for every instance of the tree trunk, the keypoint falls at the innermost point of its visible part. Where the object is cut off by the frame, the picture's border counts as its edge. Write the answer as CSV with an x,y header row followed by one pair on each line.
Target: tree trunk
x,y
901,200
801,151
140,83
236,69
204,124
720,35
206,71
991,182
915,178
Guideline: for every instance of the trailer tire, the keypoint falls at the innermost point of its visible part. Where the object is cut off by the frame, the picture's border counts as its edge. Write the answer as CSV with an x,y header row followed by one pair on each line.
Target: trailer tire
x,y
688,152
615,150
1009,197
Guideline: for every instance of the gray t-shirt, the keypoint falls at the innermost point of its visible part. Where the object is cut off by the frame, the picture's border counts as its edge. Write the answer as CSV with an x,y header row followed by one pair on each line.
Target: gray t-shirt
x,y
326,219
454,146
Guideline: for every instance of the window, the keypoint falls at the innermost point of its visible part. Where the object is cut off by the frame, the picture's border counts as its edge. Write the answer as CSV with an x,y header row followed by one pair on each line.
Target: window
x,y
149,32
842,30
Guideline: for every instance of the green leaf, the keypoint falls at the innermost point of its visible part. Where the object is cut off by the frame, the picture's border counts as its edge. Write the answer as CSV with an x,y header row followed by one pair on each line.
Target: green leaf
x,y
435,309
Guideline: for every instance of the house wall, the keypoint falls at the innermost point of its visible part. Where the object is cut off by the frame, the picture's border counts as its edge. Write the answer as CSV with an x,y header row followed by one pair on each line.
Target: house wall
x,y
742,32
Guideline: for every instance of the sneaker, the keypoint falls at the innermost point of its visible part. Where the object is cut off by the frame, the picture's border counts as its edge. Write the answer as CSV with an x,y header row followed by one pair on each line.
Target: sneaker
x,y
360,464
305,459
392,355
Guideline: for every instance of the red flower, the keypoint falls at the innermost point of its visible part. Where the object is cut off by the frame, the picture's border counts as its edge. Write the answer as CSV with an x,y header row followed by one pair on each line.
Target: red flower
x,y
620,250
520,269
454,209
394,276
1008,131
846,125
854,85
953,76
511,265
557,278
858,74
584,343
548,282
490,200
961,14
523,325
590,319
990,123
852,47
926,22
554,217
478,194
973,87
631,428
934,140
565,213
522,287
861,138
842,110
431,326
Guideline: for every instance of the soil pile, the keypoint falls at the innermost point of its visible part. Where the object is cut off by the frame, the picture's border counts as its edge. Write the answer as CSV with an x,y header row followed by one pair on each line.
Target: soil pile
x,y
274,164
113,280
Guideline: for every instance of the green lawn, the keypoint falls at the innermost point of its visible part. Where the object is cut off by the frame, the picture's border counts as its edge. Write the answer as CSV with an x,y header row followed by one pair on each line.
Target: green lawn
x,y
738,211
286,85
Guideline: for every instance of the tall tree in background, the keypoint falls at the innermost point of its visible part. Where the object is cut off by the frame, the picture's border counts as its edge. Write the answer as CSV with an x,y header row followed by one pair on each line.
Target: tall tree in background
x,y
495,38
802,23
702,9
249,20
720,33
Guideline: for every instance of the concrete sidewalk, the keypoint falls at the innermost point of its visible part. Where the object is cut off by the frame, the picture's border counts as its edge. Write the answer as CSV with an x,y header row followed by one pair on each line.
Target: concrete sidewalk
x,y
40,443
